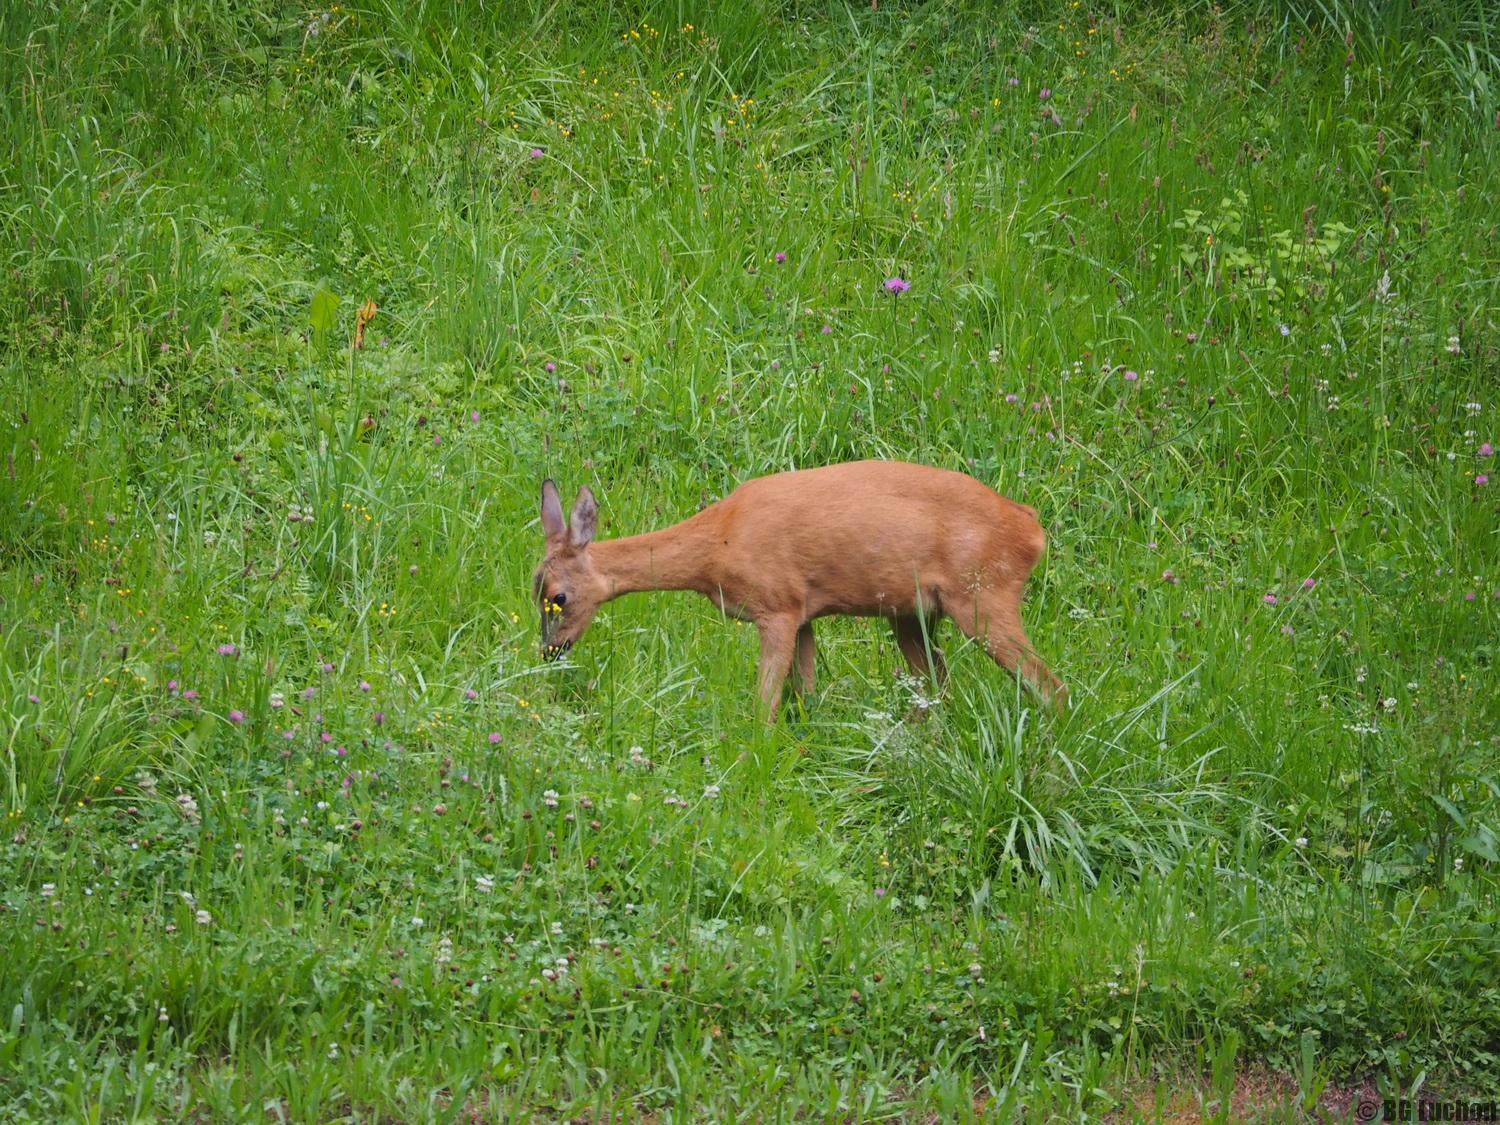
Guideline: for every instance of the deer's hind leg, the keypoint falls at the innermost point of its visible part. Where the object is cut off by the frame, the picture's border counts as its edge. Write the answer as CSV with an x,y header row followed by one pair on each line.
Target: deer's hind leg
x,y
993,618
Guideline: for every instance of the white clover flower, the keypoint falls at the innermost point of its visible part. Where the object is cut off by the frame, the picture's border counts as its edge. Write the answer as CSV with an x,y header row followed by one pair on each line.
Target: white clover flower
x,y
484,884
1300,841
203,917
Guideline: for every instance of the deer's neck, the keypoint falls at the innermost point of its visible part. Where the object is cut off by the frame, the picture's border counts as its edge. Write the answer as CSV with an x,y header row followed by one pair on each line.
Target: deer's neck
x,y
675,558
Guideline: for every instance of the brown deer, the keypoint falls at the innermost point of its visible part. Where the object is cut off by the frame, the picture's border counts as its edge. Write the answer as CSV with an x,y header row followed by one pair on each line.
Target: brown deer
x,y
868,538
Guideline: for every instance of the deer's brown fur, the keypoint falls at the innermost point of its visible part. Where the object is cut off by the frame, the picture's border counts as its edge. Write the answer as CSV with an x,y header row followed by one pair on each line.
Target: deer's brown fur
x,y
868,538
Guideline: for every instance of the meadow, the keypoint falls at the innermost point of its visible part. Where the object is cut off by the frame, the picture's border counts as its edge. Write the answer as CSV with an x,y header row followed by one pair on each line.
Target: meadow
x,y
298,827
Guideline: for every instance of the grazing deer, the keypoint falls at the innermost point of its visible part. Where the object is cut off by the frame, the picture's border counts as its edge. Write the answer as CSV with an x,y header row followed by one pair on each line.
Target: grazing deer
x,y
868,538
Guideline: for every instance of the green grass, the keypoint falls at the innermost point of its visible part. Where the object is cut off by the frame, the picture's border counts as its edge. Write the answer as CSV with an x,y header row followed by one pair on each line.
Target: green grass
x,y
1223,306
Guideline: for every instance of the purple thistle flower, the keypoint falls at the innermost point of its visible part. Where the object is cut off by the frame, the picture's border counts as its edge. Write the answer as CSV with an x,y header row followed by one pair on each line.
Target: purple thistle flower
x,y
1269,599
190,694
537,153
1485,449
474,416
470,693
1012,81
342,751
327,666
1131,376
494,736
550,366
364,685
171,685
897,285
1045,93
288,734
34,698
227,650
379,718
1482,478
781,255
309,692
236,716
1309,583
325,737
827,330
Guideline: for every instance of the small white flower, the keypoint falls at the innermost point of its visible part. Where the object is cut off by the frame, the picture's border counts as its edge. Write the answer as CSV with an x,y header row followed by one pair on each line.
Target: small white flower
x,y
1454,346
278,700
1458,863
49,889
416,920
710,792
1300,841
1389,702
484,884
549,798
203,917
555,929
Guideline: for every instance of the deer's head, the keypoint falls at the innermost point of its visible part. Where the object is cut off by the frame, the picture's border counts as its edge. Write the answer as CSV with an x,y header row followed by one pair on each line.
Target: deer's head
x,y
567,588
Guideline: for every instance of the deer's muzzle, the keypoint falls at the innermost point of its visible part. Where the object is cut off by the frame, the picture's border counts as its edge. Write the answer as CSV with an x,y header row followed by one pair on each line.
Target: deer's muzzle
x,y
551,652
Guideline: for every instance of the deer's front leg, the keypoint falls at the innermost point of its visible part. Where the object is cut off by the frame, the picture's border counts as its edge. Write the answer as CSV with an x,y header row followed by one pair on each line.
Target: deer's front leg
x,y
778,642
804,667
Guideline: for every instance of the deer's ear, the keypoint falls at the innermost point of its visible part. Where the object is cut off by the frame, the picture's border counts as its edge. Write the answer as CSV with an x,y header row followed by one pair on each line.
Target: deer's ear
x,y
552,517
585,519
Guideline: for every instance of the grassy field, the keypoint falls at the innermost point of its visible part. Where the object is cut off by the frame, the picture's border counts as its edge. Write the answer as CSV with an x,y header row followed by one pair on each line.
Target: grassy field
x,y
297,826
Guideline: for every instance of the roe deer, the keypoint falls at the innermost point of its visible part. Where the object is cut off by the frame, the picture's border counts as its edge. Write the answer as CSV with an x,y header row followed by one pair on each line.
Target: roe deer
x,y
866,538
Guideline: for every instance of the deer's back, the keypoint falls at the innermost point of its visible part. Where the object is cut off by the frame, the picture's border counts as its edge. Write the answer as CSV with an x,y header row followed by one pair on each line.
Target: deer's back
x,y
869,537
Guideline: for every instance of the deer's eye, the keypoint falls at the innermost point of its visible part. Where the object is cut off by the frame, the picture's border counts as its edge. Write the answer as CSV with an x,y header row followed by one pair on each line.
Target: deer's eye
x,y
559,599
